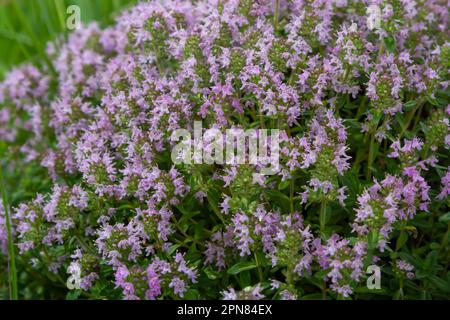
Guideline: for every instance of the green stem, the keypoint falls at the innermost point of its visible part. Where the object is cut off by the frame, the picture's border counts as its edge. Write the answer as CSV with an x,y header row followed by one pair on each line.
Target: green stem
x,y
409,117
347,72
289,275
60,10
177,225
445,238
371,156
291,77
158,65
291,195
361,108
276,15
11,255
261,119
425,149
324,290
48,261
258,266
323,217
402,295
417,118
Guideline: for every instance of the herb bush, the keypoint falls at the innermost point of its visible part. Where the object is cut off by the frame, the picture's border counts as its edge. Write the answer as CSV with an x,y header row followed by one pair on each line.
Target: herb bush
x,y
99,210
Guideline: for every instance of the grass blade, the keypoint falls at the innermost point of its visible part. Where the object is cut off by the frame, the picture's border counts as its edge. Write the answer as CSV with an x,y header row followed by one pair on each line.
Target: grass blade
x,y
11,254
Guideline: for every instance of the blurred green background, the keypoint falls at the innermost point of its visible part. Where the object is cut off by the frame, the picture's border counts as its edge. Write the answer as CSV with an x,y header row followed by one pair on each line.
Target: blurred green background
x,y
27,25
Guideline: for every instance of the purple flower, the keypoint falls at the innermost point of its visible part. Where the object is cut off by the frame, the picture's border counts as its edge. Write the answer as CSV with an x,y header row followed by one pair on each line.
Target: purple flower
x,y
178,286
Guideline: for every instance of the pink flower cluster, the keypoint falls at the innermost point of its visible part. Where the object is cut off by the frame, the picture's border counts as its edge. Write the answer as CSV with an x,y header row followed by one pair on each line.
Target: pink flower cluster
x,y
131,220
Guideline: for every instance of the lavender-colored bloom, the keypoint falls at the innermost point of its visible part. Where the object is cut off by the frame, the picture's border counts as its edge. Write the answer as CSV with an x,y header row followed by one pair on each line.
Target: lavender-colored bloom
x,y
101,125
229,294
178,286
405,268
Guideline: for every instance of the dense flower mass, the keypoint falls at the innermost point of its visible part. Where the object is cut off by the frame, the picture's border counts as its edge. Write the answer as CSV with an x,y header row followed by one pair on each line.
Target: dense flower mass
x,y
359,92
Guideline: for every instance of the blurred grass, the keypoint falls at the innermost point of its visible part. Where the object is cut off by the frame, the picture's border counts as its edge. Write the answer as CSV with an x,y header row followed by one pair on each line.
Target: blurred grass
x,y
27,25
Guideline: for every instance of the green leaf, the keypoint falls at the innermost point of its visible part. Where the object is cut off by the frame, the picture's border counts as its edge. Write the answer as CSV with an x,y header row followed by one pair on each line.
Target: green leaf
x,y
372,240
370,291
191,294
389,42
431,262
211,274
410,105
432,101
445,218
312,296
439,283
279,198
241,266
245,279
200,231
401,240
284,184
213,201
173,248
73,294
